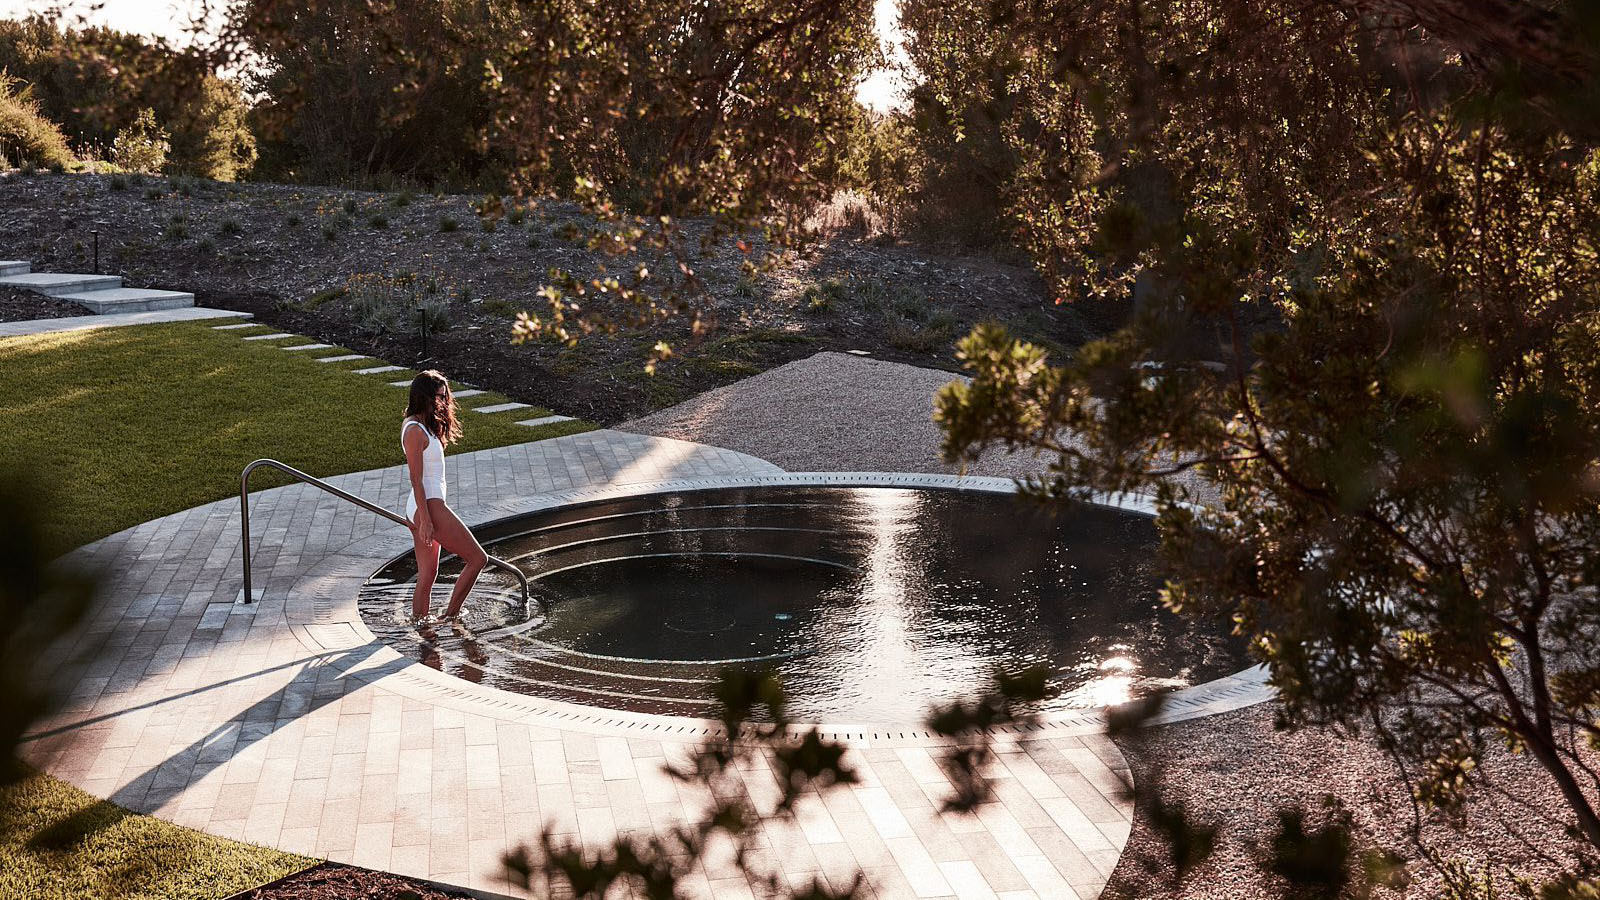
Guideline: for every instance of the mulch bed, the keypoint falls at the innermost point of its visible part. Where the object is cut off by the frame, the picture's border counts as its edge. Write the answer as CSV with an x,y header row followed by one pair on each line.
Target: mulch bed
x,y
281,252
1236,771
23,306
331,881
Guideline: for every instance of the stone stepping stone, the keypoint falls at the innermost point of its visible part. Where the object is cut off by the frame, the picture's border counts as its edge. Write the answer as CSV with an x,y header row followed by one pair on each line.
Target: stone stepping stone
x,y
501,407
379,370
233,326
473,392
547,420
310,347
406,383
9,267
346,358
270,337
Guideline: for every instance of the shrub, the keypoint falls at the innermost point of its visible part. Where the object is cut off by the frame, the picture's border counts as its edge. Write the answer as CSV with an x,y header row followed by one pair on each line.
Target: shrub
x,y
448,224
26,136
820,298
153,193
329,232
394,303
177,228
350,205
142,146
230,228
118,183
379,221
293,220
403,198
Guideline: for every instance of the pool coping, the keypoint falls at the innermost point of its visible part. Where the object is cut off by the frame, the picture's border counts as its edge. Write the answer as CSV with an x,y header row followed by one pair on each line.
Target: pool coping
x,y
336,583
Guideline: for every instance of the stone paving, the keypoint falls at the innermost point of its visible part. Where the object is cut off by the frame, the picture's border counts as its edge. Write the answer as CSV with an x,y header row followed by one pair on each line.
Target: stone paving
x,y
285,723
84,323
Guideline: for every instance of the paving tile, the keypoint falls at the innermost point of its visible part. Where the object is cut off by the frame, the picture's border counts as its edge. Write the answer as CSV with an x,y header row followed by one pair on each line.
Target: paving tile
x,y
227,717
379,370
269,337
343,357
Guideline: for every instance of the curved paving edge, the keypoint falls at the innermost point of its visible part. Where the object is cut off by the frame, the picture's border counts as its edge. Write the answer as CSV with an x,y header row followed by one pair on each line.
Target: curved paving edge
x,y
283,723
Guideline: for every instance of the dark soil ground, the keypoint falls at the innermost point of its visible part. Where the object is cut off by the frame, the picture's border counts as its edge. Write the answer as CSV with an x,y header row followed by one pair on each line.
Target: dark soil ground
x,y
329,881
21,306
287,254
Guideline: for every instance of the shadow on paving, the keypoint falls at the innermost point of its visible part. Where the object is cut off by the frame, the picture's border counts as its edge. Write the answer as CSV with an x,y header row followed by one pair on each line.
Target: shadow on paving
x,y
319,684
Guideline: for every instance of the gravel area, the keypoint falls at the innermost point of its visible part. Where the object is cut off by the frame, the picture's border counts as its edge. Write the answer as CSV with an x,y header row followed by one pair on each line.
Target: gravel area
x,y
829,412
839,412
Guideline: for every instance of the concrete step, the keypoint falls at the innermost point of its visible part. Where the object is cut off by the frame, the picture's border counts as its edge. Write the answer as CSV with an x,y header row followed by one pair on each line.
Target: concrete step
x,y
55,284
14,267
125,300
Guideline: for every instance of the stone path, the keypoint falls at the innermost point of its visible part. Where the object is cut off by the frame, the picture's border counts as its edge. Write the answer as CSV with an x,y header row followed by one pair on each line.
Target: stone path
x,y
285,723
83,323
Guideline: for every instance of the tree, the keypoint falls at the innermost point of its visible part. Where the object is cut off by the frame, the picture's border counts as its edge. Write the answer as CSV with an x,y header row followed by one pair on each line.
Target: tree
x,y
1407,519
1359,243
97,81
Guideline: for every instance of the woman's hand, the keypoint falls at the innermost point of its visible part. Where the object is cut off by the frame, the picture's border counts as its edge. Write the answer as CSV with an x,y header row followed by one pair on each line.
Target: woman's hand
x,y
423,527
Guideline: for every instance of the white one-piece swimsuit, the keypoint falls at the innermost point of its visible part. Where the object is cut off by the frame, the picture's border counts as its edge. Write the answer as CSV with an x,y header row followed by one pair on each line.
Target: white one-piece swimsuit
x,y
432,469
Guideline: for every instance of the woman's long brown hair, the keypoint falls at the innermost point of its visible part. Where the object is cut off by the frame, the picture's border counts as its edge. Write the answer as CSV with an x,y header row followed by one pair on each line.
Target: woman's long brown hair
x,y
438,416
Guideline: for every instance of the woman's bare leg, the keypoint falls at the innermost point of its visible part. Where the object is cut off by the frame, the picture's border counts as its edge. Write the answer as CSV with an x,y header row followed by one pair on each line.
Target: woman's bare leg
x,y
449,531
427,571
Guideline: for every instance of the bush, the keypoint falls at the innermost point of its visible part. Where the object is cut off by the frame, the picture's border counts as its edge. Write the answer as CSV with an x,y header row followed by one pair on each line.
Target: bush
x,y
391,303
230,228
118,183
26,136
142,146
379,221
820,298
448,224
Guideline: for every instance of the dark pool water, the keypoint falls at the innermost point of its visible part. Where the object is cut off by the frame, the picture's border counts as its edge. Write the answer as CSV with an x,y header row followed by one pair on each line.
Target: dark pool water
x,y
872,603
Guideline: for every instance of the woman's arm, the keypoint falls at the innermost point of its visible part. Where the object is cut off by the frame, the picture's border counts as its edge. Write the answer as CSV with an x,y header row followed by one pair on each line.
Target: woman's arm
x,y
415,443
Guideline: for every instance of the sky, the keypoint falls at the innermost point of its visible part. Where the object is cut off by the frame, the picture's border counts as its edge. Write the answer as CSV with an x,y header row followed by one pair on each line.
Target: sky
x,y
881,91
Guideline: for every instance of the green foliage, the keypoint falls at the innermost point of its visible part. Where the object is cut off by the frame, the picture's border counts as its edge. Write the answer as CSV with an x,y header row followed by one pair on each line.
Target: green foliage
x,y
1406,518
230,228
820,298
406,108
448,224
406,302
96,81
26,136
142,146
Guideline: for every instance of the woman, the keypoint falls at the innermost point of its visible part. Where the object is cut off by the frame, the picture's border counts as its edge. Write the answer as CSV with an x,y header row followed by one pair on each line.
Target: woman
x,y
430,423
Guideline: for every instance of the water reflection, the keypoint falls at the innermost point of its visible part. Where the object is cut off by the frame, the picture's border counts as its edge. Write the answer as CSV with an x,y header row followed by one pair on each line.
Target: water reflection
x,y
873,603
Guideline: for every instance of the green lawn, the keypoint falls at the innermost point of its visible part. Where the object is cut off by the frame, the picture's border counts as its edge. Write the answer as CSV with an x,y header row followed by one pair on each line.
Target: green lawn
x,y
57,842
129,424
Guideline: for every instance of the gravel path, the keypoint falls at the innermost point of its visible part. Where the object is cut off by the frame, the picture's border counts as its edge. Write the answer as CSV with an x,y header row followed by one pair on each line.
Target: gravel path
x,y
837,412
832,412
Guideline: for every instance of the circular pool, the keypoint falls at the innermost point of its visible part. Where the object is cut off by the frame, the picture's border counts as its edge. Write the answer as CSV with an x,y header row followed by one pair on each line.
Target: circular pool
x,y
872,602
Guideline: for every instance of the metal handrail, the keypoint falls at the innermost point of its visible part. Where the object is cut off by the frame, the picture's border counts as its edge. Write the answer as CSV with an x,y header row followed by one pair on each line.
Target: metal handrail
x,y
244,519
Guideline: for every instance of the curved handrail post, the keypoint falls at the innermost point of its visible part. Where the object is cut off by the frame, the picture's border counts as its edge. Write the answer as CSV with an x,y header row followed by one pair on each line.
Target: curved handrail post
x,y
244,521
